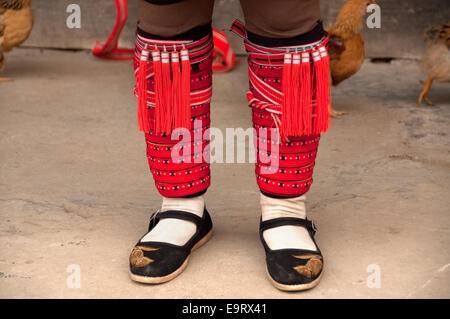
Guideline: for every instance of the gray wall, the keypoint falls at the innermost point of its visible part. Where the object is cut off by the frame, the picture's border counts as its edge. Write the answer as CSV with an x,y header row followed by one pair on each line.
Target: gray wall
x,y
400,36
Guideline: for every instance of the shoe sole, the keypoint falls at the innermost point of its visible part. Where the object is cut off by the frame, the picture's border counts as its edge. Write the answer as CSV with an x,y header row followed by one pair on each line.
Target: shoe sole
x,y
163,279
300,287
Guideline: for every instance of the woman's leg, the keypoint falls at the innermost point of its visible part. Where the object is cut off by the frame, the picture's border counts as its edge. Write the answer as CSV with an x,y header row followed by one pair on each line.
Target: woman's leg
x,y
274,28
177,37
175,18
280,19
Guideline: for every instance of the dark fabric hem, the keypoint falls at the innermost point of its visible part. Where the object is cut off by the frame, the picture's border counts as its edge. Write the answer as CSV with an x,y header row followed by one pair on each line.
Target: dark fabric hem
x,y
195,195
314,35
193,34
278,197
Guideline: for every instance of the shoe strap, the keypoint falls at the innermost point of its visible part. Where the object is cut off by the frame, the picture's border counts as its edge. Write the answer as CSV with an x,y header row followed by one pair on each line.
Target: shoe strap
x,y
177,214
285,221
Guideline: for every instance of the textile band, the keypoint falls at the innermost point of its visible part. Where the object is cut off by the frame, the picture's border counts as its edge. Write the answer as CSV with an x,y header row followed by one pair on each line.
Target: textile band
x,y
286,108
174,88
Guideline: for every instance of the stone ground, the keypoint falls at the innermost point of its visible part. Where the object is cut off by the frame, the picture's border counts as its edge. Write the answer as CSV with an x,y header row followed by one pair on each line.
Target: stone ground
x,y
75,187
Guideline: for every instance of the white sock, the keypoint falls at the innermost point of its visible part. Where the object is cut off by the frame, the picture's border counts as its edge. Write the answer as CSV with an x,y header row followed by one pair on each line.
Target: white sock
x,y
176,231
295,237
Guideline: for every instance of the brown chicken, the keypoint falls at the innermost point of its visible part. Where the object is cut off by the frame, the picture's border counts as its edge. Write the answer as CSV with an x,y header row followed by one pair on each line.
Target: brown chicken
x,y
436,59
346,45
16,22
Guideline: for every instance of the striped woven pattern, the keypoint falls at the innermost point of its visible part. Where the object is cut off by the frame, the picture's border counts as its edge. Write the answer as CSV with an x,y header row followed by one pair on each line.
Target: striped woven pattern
x,y
179,164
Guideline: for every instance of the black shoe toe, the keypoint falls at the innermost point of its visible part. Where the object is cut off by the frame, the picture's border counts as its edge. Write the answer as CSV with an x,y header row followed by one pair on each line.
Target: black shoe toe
x,y
292,269
157,262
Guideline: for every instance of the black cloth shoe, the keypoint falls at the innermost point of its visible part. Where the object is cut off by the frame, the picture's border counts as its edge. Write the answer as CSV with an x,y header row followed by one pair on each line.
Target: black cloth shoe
x,y
157,262
292,269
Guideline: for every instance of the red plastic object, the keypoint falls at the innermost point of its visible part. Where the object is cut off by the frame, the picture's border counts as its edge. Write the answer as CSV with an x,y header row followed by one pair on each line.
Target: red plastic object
x,y
110,50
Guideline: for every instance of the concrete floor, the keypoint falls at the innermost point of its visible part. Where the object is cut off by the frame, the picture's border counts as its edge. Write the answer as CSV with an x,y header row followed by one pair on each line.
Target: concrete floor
x,y
75,187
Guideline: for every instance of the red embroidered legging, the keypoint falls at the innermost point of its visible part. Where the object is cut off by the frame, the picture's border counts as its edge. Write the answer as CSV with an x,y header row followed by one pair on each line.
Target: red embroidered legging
x,y
269,24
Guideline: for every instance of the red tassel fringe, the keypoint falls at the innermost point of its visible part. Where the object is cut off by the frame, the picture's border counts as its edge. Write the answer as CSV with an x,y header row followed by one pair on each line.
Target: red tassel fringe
x,y
185,91
176,86
306,94
286,105
296,127
322,91
305,112
143,114
159,98
172,91
324,112
299,115
166,116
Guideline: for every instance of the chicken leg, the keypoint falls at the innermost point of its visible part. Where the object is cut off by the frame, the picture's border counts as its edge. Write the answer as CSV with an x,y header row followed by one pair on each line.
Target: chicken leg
x,y
2,67
425,90
337,114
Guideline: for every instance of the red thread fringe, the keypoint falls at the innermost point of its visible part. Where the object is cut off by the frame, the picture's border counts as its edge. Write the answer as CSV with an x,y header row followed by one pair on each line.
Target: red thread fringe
x,y
166,114
176,87
172,90
322,91
305,105
185,91
296,125
306,94
143,114
159,98
286,104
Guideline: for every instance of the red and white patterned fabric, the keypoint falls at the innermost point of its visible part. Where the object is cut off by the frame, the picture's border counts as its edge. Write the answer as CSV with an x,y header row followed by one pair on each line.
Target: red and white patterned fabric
x,y
179,164
224,57
285,162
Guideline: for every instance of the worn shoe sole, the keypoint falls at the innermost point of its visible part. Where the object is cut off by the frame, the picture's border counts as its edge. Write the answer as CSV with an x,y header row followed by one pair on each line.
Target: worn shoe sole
x,y
301,287
160,280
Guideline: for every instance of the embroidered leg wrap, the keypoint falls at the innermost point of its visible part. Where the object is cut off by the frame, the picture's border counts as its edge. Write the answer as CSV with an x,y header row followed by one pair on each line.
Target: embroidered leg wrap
x,y
289,95
173,87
